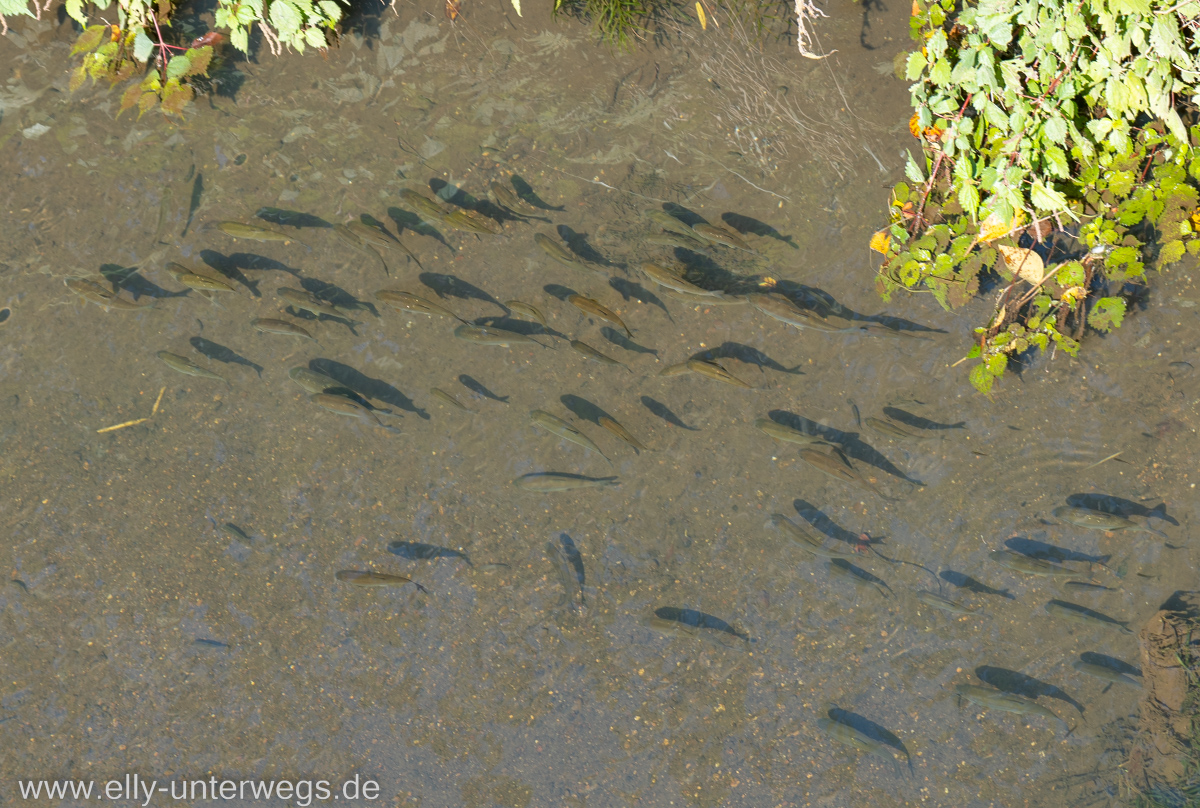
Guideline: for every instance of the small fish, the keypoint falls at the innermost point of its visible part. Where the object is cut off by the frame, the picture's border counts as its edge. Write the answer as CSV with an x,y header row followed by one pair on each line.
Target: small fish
x,y
525,310
341,405
594,308
668,222
1106,673
1029,565
369,578
706,300
675,370
668,239
840,470
235,531
804,540
785,433
266,325
890,430
1005,702
306,301
594,355
194,280
856,739
406,301
564,256
622,433
446,398
490,335
557,426
715,372
564,559
256,233
785,311
349,238
416,551
841,568
719,235
372,236
945,604
548,481
1100,520
181,364
470,223
1078,614
505,197
314,382
1086,586
672,280
430,212
95,293
854,411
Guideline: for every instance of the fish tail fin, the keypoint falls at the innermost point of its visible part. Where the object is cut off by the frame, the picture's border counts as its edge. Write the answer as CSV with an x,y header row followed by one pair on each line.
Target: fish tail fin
x,y
418,586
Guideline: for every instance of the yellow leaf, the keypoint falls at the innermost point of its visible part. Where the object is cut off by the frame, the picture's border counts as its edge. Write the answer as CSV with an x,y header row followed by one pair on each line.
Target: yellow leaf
x,y
1025,263
914,125
700,14
1074,295
881,241
993,227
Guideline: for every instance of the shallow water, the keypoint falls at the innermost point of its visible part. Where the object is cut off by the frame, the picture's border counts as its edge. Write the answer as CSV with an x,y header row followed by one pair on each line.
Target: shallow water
x,y
145,636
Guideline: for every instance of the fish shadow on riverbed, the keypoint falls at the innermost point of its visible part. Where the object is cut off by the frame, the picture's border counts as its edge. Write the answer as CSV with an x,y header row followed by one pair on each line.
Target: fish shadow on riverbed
x,y
290,218
518,326
621,341
478,388
664,412
745,224
1094,615
747,354
851,445
336,295
840,566
629,290
963,581
219,353
1119,506
902,417
484,207
1049,552
231,266
1118,665
1015,682
584,409
698,619
577,243
131,280
407,220
365,385
827,527
444,286
526,193
872,730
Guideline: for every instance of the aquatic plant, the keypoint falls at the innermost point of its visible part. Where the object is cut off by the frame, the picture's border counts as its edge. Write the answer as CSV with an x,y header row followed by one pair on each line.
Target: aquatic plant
x,y
1053,136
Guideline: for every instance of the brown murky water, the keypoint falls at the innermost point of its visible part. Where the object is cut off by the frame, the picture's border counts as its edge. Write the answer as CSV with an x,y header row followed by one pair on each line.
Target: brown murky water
x,y
143,634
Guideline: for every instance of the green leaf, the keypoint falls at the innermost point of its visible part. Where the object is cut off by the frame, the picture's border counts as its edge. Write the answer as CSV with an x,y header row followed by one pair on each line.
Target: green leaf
x,y
1071,274
1054,130
74,11
88,40
199,59
314,37
968,197
331,10
1171,252
14,8
940,75
1056,161
915,66
240,39
1107,314
981,379
178,67
286,18
1121,183
996,363
142,46
1045,198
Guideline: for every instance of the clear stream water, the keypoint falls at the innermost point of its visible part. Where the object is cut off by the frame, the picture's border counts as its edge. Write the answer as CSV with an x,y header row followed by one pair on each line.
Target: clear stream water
x,y
141,635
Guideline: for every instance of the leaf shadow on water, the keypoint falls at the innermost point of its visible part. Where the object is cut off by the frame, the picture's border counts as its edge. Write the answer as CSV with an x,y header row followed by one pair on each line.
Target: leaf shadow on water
x,y
964,581
903,417
1011,681
131,280
1120,506
629,290
664,412
1118,665
407,220
698,619
872,730
621,341
478,388
365,385
444,286
577,243
219,353
1049,552
747,224
851,445
525,192
747,354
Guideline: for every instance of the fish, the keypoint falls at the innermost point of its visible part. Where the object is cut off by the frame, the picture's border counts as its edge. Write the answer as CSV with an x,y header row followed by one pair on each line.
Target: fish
x,y
416,551
719,235
525,310
1005,702
594,355
371,236
194,280
256,233
406,301
466,221
557,426
622,433
945,604
490,335
675,370
594,308
235,531
785,311
804,540
681,240
715,372
669,223
1086,586
705,300
568,574
856,739
890,430
430,212
547,481
95,293
446,398
181,364
672,280
314,382
841,568
840,470
1078,614
1106,673
785,433
1101,520
1029,565
341,405
564,256
369,578
505,197
349,238
306,301
266,325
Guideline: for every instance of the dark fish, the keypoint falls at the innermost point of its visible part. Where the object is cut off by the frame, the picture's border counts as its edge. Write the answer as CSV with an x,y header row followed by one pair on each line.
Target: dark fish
x,y
416,551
